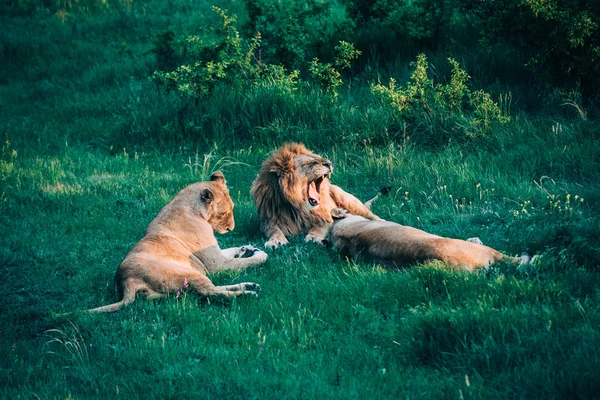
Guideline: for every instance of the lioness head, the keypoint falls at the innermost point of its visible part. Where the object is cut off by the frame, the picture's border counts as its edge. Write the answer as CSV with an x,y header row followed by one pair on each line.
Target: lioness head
x,y
216,204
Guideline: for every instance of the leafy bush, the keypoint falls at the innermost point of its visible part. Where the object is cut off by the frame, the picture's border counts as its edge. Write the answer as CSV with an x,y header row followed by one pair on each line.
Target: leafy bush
x,y
441,111
561,38
327,75
421,20
558,41
296,31
221,55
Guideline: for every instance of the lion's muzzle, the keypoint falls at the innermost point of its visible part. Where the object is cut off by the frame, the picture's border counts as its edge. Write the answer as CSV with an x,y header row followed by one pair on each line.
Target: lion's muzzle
x,y
314,197
314,186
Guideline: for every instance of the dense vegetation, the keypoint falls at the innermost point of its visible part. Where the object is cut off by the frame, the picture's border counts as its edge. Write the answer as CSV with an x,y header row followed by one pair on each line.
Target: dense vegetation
x,y
482,116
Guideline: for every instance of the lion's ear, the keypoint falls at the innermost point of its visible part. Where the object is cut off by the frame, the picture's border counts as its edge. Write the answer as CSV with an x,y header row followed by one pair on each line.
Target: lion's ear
x,y
218,177
277,170
206,196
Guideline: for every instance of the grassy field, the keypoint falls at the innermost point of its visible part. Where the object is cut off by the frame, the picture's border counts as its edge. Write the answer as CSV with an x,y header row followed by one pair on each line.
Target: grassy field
x,y
92,149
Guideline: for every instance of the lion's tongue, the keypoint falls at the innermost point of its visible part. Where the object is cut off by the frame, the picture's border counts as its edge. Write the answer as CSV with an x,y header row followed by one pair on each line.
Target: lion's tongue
x,y
313,194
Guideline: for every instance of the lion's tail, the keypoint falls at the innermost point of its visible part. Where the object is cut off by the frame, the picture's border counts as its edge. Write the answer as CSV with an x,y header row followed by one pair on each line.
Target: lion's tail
x,y
128,298
382,192
528,258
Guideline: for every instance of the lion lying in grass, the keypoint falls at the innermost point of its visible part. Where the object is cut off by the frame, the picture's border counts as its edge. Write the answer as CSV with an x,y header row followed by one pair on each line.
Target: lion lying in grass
x,y
293,195
180,247
393,244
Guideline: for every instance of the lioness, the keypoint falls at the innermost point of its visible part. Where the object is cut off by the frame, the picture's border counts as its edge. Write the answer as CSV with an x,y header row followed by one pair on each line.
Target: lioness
x,y
180,247
393,244
293,195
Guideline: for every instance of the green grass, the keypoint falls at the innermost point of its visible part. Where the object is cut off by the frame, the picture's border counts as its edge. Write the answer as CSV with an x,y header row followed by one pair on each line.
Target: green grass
x,y
92,151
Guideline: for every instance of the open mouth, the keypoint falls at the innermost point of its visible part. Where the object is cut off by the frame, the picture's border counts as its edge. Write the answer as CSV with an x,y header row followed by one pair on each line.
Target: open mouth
x,y
314,189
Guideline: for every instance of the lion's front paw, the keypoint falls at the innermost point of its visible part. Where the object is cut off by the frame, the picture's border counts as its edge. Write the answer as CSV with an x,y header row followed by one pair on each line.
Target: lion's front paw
x,y
259,255
315,239
246,251
273,243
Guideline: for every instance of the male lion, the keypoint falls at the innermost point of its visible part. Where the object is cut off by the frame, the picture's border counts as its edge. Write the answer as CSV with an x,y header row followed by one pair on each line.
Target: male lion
x,y
393,244
180,247
293,195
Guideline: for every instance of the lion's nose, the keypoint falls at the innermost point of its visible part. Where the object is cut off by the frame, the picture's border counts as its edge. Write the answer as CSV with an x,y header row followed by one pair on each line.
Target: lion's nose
x,y
327,164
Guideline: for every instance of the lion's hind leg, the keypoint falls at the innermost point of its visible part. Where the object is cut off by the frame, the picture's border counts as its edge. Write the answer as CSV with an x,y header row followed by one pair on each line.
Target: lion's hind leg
x,y
204,286
382,192
525,257
238,289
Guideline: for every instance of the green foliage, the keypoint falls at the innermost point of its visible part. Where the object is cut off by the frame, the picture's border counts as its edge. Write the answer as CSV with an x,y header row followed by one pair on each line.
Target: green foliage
x,y
8,156
223,56
218,57
327,76
295,31
225,67
345,53
164,49
65,10
560,39
485,112
450,107
421,20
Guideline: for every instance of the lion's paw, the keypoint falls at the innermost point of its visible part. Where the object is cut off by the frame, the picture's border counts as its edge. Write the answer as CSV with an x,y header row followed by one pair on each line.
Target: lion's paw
x,y
250,288
259,255
272,244
315,239
246,251
475,240
338,213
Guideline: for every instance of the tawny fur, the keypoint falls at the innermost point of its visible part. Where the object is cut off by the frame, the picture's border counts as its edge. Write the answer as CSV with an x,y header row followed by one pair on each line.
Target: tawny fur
x,y
280,196
393,244
180,247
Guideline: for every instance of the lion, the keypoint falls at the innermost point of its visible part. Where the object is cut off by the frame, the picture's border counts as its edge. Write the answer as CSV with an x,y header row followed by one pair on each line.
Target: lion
x,y
293,195
392,244
179,248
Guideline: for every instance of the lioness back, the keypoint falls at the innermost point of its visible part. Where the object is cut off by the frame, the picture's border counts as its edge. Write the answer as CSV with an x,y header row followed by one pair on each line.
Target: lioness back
x,y
394,244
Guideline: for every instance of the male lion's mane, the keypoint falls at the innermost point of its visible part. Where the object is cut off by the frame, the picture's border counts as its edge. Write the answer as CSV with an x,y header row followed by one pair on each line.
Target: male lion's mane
x,y
277,192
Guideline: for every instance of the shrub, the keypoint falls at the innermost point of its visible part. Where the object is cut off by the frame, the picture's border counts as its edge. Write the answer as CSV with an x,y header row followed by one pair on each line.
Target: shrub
x,y
327,75
559,41
439,111
296,31
561,38
221,55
